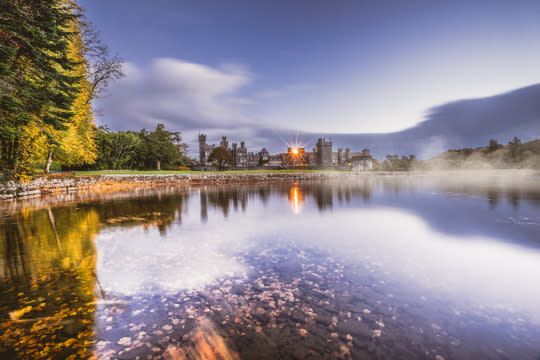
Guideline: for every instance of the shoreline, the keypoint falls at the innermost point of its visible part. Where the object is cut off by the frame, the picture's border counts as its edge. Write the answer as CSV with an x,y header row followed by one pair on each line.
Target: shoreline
x,y
106,183
56,185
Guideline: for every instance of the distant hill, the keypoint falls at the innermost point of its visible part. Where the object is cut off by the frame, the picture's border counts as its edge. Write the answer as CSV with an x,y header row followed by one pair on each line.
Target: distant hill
x,y
514,155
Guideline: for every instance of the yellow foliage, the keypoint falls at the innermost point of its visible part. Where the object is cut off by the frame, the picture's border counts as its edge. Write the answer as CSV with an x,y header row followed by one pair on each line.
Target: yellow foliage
x,y
76,144
17,314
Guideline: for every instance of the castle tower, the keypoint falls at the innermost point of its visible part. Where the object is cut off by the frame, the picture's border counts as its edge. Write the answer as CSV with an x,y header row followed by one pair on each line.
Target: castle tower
x,y
324,152
347,156
340,156
224,142
202,149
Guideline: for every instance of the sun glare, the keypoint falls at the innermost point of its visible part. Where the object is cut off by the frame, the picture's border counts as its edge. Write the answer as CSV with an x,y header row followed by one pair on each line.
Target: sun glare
x,y
295,199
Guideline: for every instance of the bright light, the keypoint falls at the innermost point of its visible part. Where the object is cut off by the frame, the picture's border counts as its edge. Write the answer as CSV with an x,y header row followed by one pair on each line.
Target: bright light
x,y
295,151
295,199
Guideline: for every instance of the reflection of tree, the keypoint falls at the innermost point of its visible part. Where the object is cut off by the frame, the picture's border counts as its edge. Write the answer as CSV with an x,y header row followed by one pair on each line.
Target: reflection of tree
x,y
222,198
145,211
493,198
47,272
513,197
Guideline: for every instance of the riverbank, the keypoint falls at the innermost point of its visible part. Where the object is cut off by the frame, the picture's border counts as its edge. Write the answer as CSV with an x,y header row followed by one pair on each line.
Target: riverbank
x,y
58,184
62,184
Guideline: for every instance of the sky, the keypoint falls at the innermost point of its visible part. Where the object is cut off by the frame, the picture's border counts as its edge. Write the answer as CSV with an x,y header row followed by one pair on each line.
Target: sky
x,y
261,71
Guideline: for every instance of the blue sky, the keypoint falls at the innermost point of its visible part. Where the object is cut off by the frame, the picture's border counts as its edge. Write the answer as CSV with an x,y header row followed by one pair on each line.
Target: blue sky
x,y
323,67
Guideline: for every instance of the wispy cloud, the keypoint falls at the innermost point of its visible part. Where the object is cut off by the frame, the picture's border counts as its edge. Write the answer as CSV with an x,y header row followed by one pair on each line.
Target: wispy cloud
x,y
181,94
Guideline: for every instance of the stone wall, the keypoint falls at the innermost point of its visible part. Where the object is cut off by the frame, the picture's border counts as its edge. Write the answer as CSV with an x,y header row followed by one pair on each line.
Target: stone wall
x,y
108,183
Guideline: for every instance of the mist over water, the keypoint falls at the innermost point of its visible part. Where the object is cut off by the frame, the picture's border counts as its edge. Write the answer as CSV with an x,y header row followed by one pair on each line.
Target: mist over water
x,y
385,267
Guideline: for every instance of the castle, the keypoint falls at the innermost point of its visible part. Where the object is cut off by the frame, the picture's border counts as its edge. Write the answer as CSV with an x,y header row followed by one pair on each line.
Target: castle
x,y
321,156
239,153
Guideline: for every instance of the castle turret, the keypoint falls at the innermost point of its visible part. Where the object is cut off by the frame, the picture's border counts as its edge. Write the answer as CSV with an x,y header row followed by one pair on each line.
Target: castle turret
x,y
347,156
224,142
202,149
324,152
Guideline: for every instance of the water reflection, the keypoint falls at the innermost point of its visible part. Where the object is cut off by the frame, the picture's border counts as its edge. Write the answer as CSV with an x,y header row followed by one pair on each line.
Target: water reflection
x,y
47,281
375,268
295,198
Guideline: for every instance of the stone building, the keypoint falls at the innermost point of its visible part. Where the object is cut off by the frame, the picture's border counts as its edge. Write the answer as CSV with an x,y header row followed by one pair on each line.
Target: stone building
x,y
323,153
347,155
204,150
264,156
224,142
240,153
362,162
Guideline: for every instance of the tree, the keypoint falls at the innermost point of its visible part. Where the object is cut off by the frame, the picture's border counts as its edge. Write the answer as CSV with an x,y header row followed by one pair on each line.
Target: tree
x,y
515,148
37,87
221,156
160,147
97,69
493,145
104,68
117,150
75,145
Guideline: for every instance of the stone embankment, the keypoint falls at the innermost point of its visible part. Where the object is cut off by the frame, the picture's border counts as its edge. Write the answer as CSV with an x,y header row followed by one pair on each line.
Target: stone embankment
x,y
107,183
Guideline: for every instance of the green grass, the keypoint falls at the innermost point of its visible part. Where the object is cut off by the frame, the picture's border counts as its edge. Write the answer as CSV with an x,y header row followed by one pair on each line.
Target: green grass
x,y
167,172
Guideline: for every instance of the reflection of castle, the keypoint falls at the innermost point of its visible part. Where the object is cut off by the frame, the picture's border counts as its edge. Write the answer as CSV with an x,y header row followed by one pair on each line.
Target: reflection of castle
x,y
322,156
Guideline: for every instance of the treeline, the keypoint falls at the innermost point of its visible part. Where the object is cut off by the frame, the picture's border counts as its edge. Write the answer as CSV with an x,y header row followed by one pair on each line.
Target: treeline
x,y
395,163
513,155
158,149
53,66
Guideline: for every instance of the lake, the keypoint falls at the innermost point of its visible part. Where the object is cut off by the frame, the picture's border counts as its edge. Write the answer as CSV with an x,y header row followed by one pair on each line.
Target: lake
x,y
404,267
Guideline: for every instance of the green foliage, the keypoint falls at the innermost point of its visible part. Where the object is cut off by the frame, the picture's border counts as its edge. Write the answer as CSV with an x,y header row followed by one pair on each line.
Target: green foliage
x,y
515,147
395,163
493,145
514,155
117,150
159,149
36,84
221,156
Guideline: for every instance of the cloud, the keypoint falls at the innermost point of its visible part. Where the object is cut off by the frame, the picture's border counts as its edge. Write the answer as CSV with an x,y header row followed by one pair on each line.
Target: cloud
x,y
182,95
189,97
458,124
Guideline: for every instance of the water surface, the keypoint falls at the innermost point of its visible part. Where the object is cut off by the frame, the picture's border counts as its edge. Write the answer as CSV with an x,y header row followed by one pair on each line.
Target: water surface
x,y
375,268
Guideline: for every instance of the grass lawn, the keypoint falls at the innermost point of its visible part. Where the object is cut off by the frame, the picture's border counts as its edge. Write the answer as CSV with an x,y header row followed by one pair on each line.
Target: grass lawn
x,y
167,172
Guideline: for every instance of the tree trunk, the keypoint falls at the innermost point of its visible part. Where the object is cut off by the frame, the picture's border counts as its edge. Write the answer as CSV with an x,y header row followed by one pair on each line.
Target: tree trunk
x,y
49,162
159,165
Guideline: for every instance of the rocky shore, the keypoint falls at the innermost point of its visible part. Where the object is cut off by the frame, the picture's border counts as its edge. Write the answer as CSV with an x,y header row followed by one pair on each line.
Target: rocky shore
x,y
107,183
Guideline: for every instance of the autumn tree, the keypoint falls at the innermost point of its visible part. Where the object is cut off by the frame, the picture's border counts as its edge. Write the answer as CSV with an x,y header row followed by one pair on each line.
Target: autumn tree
x,y
221,156
75,144
37,83
97,68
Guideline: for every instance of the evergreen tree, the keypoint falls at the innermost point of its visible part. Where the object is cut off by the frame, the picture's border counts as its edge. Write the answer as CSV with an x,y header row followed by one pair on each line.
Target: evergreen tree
x,y
37,84
160,148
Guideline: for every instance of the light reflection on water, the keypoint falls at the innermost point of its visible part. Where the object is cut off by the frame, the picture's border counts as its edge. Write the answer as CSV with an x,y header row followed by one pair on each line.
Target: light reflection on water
x,y
377,268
